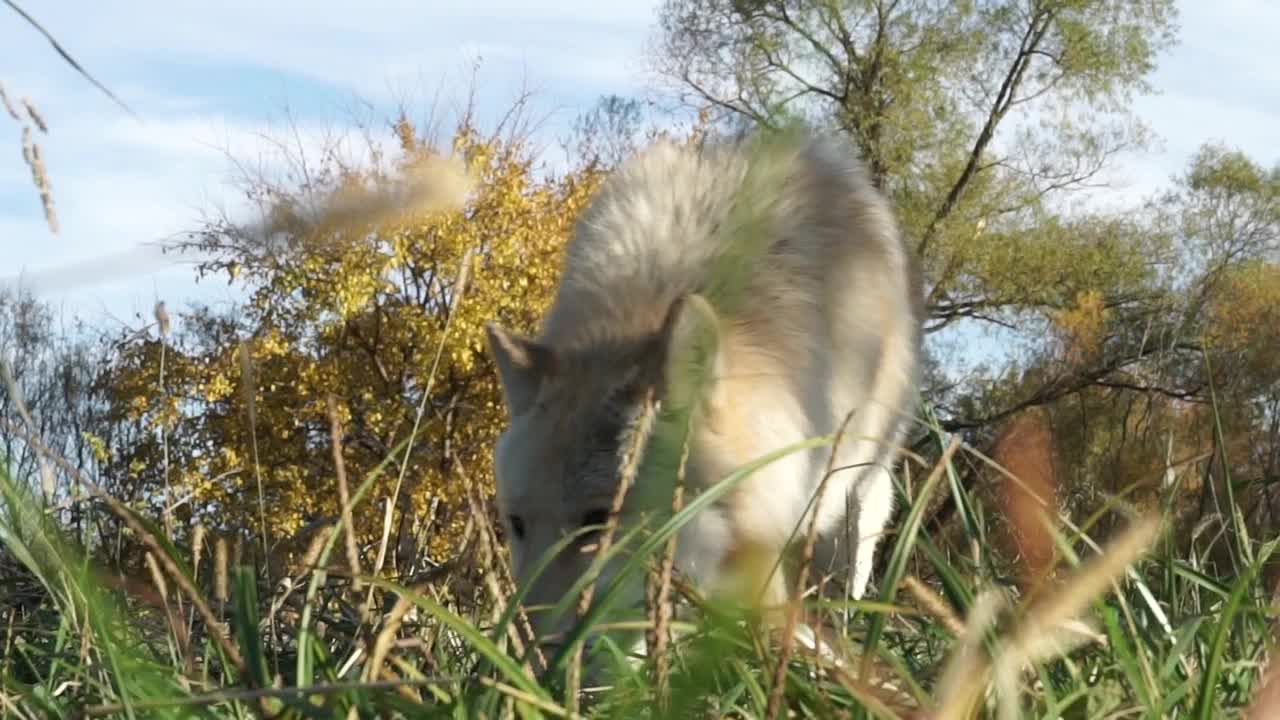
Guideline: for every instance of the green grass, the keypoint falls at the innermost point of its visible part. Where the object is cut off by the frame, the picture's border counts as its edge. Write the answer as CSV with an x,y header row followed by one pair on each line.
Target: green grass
x,y
1169,638
1144,623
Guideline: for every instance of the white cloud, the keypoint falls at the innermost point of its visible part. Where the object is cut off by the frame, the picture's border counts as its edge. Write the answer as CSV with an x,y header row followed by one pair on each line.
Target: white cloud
x,y
1218,84
118,183
361,49
120,187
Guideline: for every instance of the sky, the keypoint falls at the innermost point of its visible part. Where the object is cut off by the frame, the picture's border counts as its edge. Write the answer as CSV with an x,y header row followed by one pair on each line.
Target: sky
x,y
210,80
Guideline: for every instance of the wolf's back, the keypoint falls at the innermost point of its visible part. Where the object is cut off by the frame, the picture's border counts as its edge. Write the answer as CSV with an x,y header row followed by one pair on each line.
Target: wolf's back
x,y
675,219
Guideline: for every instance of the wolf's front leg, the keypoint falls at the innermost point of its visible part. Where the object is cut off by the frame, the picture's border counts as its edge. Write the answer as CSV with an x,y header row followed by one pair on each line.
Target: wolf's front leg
x,y
874,508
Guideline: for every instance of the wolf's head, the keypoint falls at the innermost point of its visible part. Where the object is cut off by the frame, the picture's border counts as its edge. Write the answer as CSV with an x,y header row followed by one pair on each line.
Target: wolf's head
x,y
575,412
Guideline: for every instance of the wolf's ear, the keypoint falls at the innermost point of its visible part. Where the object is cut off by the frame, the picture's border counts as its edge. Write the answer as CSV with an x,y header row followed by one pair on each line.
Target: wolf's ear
x,y
523,365
690,338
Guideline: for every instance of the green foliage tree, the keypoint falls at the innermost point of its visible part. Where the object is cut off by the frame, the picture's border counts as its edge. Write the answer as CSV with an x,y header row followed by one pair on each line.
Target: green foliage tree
x,y
980,119
1145,332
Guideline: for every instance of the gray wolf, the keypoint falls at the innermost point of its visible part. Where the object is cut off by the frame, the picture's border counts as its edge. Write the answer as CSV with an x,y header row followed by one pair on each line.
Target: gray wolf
x,y
819,318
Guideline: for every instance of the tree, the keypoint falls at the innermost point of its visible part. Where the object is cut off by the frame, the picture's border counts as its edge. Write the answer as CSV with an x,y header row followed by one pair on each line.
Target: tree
x,y
1195,409
1145,333
51,392
608,133
979,118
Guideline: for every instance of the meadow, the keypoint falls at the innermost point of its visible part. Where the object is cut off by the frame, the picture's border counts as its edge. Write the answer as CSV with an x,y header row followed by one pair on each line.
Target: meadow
x,y
284,508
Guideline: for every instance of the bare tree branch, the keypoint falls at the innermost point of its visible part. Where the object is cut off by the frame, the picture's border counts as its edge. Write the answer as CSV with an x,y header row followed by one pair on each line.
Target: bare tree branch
x,y
1036,29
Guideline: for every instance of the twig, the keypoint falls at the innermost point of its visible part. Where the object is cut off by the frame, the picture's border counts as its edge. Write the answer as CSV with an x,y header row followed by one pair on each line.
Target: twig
x,y
67,56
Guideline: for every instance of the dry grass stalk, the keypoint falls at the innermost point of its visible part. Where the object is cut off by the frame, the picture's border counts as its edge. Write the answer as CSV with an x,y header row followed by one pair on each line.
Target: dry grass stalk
x,y
40,176
344,492
965,675
163,323
934,605
777,691
249,395
459,292
311,557
198,534
66,56
524,697
660,611
31,153
1025,449
521,616
8,706
310,691
48,480
489,544
220,571
869,660
35,116
249,392
248,385
157,577
1051,514
8,104
382,644
884,700
1048,627
171,615
431,184
632,456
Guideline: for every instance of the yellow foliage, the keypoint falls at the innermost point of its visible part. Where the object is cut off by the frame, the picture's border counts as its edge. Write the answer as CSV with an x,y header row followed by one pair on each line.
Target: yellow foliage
x,y
1244,319
1082,327
358,307
98,446
1247,309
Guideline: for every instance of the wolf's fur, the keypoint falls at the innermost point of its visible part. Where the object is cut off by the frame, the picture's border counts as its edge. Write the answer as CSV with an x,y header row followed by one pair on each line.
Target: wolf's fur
x,y
828,323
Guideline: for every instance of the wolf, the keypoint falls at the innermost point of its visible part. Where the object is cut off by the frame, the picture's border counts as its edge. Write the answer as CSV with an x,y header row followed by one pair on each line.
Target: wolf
x,y
821,322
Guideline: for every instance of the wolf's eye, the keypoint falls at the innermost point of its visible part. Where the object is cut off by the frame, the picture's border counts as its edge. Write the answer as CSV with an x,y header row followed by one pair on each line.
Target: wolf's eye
x,y
517,526
595,517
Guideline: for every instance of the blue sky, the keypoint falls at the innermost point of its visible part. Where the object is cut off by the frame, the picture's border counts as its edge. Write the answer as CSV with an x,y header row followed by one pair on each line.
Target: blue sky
x,y
206,77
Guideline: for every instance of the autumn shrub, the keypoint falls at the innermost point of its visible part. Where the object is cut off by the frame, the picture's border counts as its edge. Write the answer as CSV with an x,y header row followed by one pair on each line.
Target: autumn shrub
x,y
364,309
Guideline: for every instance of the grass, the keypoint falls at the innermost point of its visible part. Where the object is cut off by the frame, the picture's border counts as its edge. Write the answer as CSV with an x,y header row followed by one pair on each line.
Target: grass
x,y
1138,624
1127,628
